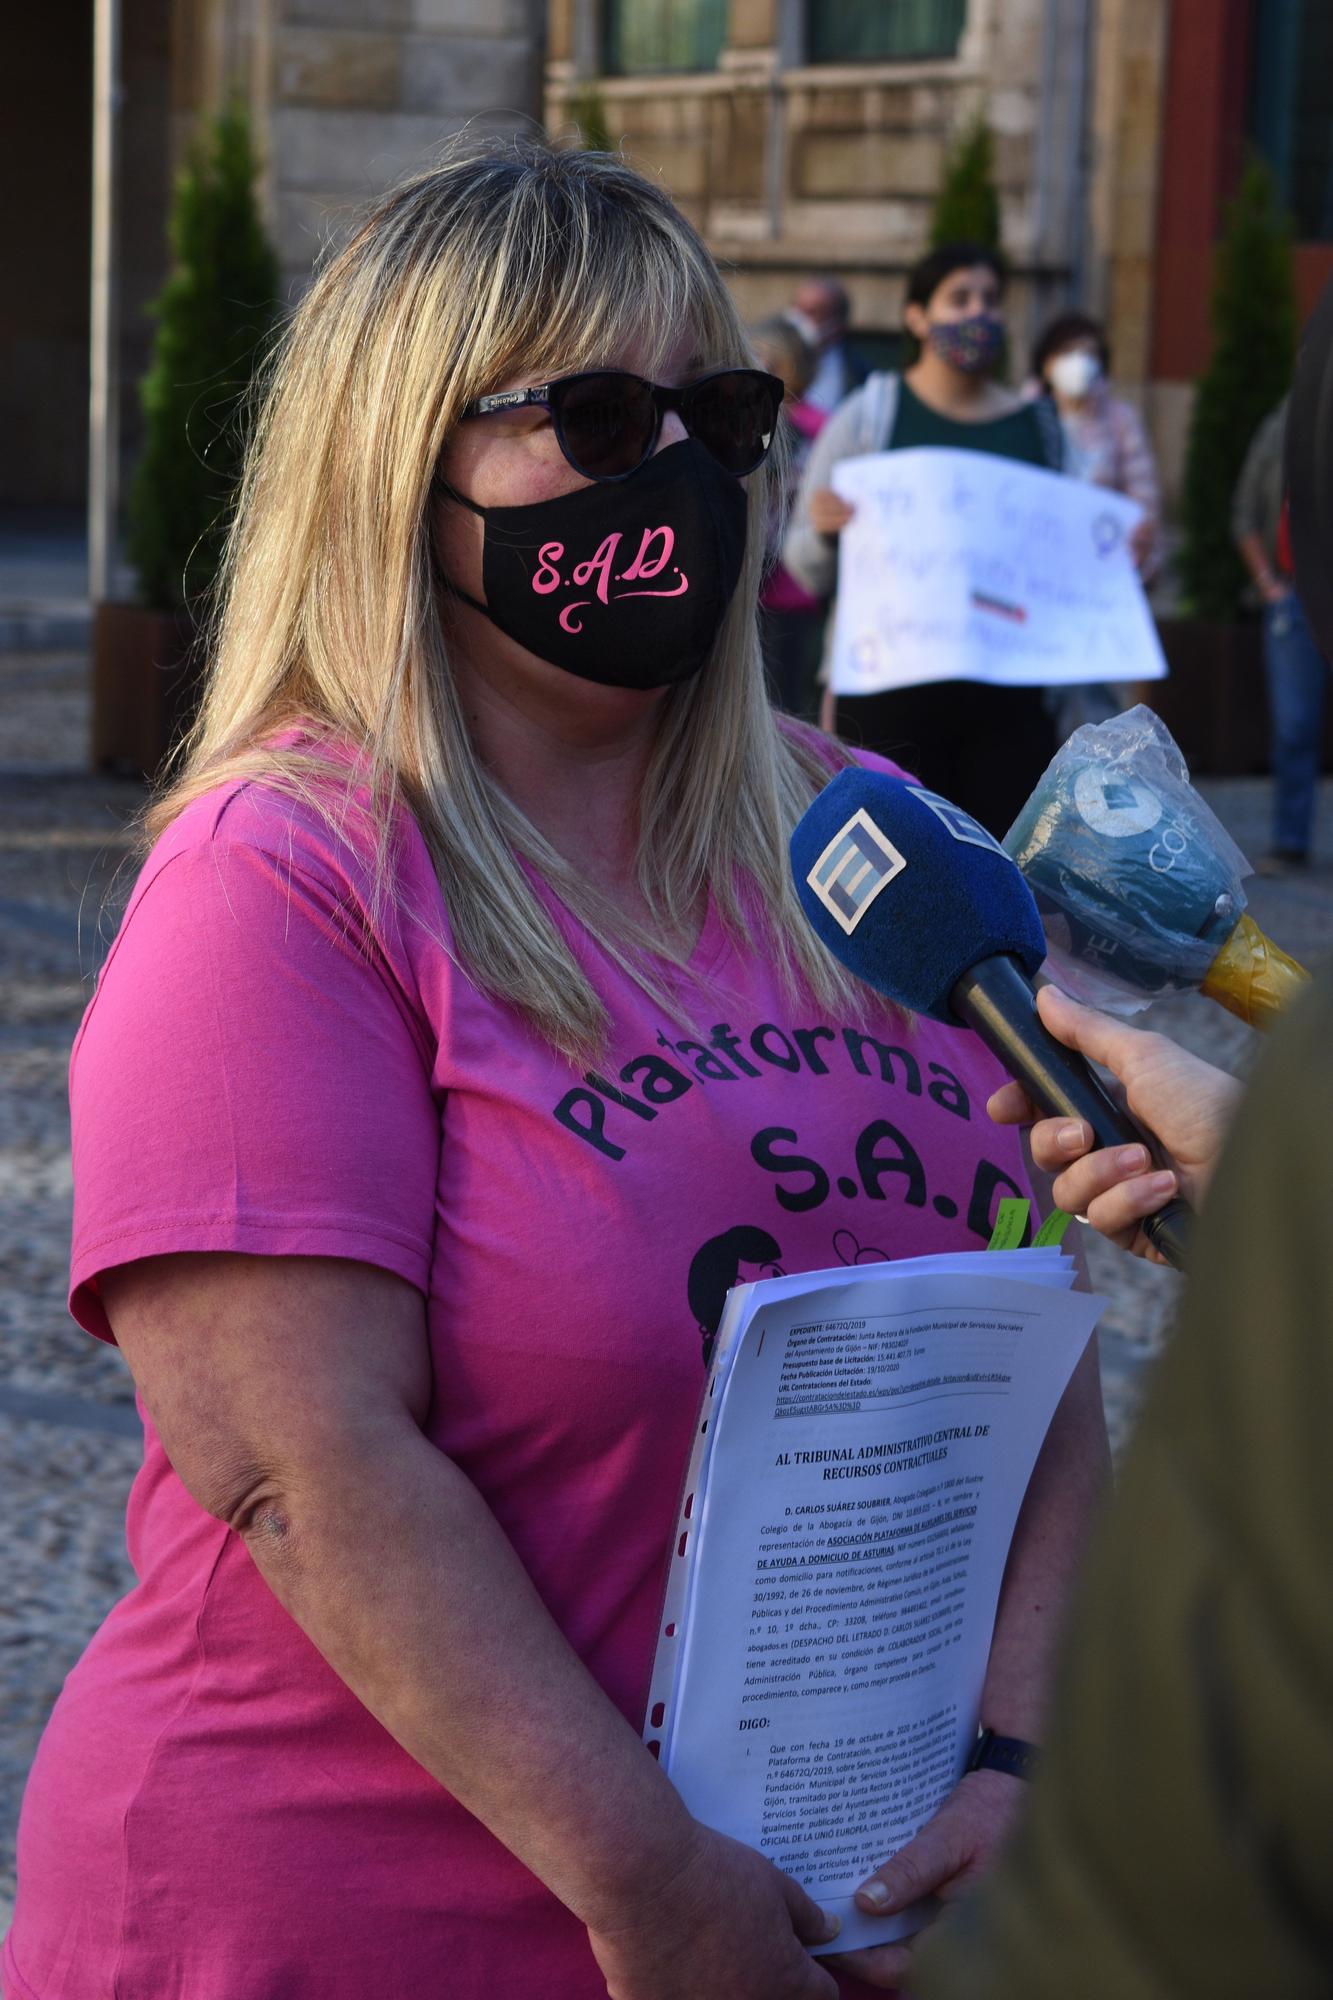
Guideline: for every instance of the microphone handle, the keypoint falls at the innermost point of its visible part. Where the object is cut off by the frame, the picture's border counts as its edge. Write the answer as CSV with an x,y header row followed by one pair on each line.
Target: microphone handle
x,y
998,1000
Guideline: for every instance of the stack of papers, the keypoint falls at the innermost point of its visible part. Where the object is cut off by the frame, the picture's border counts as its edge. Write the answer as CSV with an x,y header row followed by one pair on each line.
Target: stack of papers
x,y
864,1445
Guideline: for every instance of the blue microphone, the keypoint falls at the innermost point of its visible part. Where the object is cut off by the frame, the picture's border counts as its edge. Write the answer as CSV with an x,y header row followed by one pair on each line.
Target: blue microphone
x,y
911,894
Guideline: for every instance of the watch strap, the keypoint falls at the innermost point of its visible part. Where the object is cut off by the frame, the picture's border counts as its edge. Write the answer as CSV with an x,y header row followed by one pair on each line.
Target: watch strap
x,y
1004,1753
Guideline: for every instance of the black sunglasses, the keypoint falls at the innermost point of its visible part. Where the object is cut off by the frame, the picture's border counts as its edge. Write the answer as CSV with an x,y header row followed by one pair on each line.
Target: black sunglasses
x,y
607,422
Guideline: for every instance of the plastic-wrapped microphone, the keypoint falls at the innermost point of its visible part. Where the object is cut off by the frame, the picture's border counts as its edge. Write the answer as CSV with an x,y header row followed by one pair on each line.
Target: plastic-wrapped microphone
x,y
918,900
1138,882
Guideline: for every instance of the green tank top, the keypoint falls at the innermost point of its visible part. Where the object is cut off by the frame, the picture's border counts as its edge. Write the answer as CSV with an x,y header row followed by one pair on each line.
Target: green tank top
x,y
1019,434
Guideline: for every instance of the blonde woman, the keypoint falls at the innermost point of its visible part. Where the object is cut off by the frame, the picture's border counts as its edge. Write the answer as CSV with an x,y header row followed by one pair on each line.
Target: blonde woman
x,y
460,1043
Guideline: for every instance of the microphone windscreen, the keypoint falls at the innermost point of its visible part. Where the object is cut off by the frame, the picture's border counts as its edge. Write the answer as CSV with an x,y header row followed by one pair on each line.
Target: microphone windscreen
x,y
1130,869
908,891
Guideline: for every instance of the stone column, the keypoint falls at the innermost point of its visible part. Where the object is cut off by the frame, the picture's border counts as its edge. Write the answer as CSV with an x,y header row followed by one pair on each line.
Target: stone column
x,y
1130,74
357,106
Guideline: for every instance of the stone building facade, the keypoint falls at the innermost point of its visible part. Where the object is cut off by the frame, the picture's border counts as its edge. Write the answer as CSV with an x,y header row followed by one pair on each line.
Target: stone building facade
x,y
792,160
794,140
353,95
345,97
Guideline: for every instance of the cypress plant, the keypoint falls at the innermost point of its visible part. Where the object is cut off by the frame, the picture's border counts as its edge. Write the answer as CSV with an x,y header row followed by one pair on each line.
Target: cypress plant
x,y
967,207
214,318
1254,323
589,109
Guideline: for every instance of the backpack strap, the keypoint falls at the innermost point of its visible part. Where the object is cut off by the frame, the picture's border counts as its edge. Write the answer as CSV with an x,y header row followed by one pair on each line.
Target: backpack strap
x,y
879,407
1051,431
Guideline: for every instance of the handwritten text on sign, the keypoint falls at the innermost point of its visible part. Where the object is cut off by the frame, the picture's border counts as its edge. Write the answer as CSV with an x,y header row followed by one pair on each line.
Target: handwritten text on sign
x,y
958,565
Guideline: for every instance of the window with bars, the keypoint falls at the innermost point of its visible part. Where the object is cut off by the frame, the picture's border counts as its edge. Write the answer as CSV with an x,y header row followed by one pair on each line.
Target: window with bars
x,y
1291,106
890,30
664,35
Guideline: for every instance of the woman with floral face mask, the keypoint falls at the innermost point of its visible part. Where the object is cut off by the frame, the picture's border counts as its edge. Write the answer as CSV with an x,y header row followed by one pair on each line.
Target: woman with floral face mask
x,y
460,1012
983,746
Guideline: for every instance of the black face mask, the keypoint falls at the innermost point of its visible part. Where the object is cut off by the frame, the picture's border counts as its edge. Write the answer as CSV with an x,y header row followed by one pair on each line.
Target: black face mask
x,y
624,582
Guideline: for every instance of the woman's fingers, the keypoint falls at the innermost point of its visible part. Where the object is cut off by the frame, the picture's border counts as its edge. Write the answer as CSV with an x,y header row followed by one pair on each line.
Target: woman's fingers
x,y
1119,1211
1078,1186
811,1924
1056,1142
884,1966
1105,1040
1010,1105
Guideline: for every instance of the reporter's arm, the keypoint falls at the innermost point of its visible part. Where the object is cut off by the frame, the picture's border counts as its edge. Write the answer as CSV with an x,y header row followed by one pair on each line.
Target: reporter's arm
x,y
1175,1842
297,1422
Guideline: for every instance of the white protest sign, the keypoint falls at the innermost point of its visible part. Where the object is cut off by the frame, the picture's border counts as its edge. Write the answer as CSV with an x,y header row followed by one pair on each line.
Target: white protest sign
x,y
958,565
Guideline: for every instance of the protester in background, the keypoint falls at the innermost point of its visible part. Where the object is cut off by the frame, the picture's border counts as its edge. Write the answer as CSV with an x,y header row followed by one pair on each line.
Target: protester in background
x,y
1105,441
1177,1838
982,746
466,830
821,312
1295,670
791,619
1107,445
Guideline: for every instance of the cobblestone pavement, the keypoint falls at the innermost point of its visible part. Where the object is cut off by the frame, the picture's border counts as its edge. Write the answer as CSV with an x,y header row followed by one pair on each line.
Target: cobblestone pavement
x,y
68,1432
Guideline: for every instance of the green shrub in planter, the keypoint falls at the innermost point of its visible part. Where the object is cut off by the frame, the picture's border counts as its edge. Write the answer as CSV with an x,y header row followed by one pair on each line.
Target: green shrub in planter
x,y
967,207
1254,325
214,319
589,113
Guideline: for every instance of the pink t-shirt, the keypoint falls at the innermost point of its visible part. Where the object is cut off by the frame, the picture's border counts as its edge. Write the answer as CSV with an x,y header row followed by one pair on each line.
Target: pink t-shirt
x,y
266,1067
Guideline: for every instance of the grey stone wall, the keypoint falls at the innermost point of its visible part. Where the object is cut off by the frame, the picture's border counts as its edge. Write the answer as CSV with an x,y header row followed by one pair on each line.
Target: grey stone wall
x,y
360,92
788,167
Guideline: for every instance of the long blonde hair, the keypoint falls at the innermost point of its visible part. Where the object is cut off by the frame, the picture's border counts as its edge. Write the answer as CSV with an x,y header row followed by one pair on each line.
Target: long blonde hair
x,y
501,259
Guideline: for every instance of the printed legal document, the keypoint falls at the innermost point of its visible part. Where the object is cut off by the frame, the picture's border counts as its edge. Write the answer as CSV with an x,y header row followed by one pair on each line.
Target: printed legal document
x,y
864,1445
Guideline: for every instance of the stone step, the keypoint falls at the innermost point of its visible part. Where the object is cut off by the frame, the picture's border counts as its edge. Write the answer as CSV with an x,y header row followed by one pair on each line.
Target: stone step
x,y
44,626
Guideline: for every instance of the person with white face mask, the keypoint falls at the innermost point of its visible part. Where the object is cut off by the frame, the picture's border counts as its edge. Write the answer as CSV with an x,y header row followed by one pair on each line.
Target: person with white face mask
x,y
1073,374
1105,444
1104,436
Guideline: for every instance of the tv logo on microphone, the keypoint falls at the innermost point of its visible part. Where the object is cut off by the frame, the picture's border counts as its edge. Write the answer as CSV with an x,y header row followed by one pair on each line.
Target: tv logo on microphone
x,y
957,822
858,862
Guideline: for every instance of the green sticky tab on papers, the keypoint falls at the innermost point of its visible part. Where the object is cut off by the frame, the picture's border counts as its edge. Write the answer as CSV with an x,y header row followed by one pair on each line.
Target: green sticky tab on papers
x,y
1052,1230
1010,1223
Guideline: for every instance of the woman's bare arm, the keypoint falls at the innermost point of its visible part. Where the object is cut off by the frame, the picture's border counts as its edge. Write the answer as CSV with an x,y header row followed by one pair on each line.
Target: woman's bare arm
x,y
289,1394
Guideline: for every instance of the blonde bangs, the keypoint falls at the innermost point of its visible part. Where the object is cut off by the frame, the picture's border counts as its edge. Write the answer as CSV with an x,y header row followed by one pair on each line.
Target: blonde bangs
x,y
501,261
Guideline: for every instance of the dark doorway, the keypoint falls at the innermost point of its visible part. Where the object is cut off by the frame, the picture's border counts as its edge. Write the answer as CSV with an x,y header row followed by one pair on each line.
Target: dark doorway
x,y
45,164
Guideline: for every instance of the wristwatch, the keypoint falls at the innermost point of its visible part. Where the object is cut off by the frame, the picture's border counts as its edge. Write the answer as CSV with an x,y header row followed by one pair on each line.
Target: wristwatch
x,y
1004,1753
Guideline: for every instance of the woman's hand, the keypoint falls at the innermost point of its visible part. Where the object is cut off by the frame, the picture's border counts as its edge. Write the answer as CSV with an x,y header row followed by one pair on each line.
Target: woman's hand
x,y
829,512
1142,541
728,1925
944,1860
1179,1098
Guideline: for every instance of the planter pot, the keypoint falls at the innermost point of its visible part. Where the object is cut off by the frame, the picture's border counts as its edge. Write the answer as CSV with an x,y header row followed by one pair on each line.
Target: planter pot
x,y
145,686
1213,702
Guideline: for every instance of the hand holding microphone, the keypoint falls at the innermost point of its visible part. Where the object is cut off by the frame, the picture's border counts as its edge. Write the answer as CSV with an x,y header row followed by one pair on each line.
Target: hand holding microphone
x,y
917,899
1185,1102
